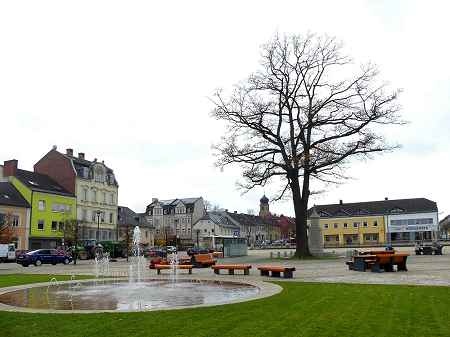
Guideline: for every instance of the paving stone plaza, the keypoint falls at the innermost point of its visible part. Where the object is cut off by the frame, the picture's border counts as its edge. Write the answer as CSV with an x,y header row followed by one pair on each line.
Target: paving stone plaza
x,y
422,270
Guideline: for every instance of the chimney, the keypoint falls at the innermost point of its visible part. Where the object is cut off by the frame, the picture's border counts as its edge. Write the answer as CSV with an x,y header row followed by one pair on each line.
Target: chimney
x,y
226,210
10,168
386,198
69,152
81,155
154,200
235,212
340,202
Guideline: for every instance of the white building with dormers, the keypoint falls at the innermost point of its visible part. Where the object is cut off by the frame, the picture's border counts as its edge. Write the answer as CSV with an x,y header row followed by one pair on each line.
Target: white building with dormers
x,y
173,219
95,187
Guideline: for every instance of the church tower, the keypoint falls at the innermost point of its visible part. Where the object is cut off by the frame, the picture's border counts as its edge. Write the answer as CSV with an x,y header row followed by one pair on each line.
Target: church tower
x,y
264,206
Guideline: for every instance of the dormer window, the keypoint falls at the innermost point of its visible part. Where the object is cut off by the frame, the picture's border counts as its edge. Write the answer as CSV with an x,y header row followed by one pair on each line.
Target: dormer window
x,y
99,175
397,210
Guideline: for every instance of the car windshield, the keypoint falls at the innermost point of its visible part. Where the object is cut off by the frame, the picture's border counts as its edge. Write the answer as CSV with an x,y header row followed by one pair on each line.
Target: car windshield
x,y
33,252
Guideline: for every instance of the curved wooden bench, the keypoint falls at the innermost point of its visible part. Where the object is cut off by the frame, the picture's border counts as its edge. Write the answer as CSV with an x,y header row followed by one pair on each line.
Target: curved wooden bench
x,y
275,271
203,260
158,267
231,268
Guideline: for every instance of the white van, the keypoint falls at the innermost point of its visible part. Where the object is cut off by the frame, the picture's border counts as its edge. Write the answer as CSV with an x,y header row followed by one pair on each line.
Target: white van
x,y
7,252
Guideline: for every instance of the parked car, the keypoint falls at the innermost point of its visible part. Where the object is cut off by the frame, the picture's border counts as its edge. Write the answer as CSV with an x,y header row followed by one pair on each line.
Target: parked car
x,y
171,249
197,250
40,256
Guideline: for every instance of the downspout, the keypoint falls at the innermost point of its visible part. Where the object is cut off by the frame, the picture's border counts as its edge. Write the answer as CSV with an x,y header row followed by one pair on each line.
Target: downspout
x,y
31,220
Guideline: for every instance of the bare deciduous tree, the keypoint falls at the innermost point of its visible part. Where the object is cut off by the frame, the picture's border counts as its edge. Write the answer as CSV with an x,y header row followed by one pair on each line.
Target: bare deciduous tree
x,y
7,234
301,118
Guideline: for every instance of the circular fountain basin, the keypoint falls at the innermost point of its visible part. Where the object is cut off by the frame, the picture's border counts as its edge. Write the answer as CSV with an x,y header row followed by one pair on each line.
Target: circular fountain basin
x,y
121,295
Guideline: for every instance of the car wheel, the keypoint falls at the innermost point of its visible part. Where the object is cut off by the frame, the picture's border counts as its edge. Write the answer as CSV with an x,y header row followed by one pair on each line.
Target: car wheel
x,y
25,265
54,263
38,263
66,261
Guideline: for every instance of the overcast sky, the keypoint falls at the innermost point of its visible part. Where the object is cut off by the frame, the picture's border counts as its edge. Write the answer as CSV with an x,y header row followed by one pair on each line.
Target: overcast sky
x,y
128,82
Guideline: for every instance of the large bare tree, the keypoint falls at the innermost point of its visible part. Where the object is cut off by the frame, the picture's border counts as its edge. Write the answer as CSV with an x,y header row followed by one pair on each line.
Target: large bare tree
x,y
301,117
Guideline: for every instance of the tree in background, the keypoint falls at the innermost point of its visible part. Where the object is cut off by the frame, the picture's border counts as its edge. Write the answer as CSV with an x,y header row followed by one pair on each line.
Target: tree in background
x,y
301,118
7,234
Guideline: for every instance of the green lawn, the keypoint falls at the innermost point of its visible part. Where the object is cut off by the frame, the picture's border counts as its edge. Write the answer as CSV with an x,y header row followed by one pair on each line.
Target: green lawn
x,y
302,309
18,279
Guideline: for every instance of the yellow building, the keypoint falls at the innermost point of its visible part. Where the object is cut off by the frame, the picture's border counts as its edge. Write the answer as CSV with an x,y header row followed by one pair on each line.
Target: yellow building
x,y
14,216
352,224
377,222
353,230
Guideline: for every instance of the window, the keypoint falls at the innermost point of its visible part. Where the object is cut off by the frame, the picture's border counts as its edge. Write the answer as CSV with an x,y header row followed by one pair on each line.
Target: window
x,y
365,223
41,205
335,225
112,198
61,208
94,216
375,223
325,226
104,197
345,225
98,175
111,217
41,225
356,224
102,216
54,225
94,196
61,226
85,194
84,215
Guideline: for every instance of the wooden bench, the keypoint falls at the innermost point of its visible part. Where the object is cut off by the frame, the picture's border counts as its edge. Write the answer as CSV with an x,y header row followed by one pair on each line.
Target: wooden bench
x,y
387,262
217,255
159,267
377,252
231,268
203,260
275,271
157,261
362,262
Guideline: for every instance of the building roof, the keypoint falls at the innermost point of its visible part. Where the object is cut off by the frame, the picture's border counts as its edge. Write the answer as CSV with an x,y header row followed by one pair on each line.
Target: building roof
x,y
264,200
79,165
254,220
126,216
220,219
10,196
171,203
382,207
41,183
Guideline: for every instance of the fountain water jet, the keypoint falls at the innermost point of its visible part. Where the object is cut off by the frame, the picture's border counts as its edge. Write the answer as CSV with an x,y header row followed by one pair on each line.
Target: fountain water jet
x,y
138,261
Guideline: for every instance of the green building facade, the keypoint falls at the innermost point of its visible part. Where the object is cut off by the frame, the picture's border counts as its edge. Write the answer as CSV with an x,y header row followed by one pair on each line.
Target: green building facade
x,y
51,207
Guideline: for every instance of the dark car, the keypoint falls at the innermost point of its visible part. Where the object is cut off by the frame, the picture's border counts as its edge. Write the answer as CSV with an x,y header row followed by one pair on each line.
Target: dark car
x,y
196,250
40,256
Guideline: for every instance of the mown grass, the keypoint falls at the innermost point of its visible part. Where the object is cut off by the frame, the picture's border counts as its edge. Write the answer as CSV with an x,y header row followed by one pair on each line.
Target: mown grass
x,y
19,279
302,309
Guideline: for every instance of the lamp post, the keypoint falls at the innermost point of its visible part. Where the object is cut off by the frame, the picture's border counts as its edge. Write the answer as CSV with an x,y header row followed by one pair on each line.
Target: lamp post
x,y
198,233
98,226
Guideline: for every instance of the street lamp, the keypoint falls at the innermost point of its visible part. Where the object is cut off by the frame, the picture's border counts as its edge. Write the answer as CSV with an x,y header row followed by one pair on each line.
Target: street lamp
x,y
98,226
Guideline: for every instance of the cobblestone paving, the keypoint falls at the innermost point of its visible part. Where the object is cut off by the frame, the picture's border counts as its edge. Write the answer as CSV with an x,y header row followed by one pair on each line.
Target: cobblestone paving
x,y
422,270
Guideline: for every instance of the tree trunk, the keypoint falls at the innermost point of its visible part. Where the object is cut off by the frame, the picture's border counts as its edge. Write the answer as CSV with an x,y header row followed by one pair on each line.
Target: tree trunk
x,y
301,216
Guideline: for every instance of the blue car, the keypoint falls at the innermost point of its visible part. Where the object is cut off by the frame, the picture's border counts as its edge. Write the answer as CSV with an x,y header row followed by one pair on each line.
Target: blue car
x,y
40,256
